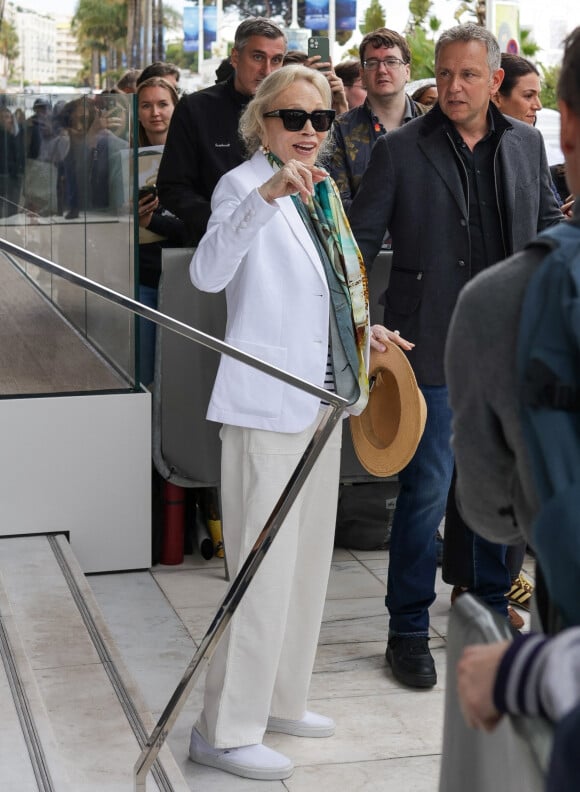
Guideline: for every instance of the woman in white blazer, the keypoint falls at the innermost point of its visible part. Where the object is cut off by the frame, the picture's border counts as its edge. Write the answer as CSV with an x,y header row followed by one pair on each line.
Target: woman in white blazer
x,y
278,243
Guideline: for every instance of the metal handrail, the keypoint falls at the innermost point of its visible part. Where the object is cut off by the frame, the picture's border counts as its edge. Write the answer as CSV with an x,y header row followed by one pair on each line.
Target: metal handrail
x,y
237,589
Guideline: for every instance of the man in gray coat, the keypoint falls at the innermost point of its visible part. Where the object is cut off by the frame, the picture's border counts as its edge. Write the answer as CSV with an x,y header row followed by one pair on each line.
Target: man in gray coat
x,y
533,674
459,189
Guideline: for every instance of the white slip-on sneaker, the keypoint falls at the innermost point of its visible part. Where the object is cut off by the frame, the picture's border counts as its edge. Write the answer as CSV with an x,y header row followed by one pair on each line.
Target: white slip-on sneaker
x,y
249,761
310,725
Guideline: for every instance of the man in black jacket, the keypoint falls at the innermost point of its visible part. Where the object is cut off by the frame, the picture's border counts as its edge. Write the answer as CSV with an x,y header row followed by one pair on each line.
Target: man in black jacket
x,y
459,189
203,141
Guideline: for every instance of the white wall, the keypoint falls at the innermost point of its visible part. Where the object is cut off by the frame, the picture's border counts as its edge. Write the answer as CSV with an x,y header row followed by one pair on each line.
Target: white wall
x,y
80,464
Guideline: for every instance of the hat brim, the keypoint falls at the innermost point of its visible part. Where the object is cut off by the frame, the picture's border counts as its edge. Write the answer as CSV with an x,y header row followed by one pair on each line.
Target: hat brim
x,y
386,434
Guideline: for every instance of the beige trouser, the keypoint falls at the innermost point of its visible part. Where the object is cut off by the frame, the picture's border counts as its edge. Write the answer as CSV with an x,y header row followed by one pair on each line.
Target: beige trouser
x,y
263,663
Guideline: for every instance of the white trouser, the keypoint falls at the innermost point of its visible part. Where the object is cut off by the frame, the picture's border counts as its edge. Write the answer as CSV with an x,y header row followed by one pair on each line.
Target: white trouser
x,y
263,663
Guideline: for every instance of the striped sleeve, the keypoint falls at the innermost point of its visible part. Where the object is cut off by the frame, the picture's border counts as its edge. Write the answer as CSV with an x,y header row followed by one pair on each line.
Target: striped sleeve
x,y
540,675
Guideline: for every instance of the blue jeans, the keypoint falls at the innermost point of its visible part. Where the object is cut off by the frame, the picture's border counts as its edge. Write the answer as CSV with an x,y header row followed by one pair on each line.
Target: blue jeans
x,y
147,334
420,508
473,562
491,578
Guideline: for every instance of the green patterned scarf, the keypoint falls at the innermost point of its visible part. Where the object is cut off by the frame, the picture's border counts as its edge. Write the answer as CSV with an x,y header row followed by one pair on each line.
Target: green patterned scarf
x,y
326,221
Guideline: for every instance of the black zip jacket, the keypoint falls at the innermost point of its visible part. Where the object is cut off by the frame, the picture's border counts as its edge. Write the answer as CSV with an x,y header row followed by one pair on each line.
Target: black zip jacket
x,y
202,144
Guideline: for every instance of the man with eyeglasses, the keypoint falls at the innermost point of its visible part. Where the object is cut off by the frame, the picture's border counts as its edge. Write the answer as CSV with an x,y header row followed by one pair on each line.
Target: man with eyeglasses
x,y
459,189
203,141
385,69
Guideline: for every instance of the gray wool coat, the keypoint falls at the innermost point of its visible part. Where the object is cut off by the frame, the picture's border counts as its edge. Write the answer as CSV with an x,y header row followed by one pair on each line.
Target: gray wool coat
x,y
493,467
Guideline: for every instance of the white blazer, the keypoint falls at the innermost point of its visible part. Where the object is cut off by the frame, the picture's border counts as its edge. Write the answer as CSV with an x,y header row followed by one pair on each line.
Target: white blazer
x,y
277,302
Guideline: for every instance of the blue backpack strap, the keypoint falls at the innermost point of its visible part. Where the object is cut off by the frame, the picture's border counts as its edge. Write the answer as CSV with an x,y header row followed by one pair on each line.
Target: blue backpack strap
x,y
548,360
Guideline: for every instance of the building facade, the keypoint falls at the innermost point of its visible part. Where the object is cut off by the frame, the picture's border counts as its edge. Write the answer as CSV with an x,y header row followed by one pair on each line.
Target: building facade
x,y
48,51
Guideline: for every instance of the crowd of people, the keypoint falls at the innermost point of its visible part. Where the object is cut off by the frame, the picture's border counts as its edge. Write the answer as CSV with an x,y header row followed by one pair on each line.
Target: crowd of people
x,y
64,158
464,148
61,157
331,164
467,146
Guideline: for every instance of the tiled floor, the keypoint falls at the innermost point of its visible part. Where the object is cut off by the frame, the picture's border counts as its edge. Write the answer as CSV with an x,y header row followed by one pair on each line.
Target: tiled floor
x,y
388,738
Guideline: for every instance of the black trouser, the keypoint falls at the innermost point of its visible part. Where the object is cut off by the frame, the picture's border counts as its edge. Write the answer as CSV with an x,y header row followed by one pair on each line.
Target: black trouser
x,y
458,549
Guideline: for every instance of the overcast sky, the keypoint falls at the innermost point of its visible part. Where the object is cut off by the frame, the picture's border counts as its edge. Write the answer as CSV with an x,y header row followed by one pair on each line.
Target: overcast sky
x,y
67,7
550,21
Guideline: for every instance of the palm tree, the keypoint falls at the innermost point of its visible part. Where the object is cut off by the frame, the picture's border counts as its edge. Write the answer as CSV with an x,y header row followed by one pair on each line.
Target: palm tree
x,y
476,8
158,50
374,18
146,21
122,33
101,29
8,46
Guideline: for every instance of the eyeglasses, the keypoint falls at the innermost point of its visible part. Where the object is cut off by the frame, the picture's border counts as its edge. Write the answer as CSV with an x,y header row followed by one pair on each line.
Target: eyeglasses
x,y
391,63
294,120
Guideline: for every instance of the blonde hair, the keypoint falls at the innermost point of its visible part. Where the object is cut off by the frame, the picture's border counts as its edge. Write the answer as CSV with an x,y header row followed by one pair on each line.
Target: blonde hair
x,y
252,126
153,82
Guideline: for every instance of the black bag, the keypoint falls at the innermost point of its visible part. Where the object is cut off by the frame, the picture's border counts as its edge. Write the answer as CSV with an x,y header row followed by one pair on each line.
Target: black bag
x,y
365,514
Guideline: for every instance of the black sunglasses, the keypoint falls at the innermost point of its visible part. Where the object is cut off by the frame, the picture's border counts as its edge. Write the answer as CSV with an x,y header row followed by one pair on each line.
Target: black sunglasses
x,y
294,120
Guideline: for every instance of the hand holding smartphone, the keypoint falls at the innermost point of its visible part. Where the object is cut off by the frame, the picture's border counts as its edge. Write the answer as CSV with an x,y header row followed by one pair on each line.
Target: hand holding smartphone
x,y
320,45
147,191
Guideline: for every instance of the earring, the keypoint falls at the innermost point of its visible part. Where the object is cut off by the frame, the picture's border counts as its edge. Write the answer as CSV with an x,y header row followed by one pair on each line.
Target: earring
x,y
265,149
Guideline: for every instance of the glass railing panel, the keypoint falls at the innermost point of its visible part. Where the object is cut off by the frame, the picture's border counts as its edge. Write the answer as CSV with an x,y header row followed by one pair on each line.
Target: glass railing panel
x,y
67,197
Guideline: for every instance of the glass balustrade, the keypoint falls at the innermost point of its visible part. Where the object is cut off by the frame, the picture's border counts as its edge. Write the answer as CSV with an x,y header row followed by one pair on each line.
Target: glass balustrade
x,y
66,187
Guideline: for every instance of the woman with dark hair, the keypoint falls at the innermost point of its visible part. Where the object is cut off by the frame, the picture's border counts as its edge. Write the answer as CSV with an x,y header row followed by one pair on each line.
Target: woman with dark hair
x,y
519,97
519,94
425,93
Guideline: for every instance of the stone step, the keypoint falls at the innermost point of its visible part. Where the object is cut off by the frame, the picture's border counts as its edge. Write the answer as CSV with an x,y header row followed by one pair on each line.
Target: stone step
x,y
73,719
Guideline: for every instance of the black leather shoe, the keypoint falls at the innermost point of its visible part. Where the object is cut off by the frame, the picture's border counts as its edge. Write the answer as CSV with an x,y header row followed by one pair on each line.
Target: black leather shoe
x,y
411,661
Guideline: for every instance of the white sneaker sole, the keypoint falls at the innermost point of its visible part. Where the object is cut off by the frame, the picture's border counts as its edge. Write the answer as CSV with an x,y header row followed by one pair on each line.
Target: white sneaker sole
x,y
299,728
227,763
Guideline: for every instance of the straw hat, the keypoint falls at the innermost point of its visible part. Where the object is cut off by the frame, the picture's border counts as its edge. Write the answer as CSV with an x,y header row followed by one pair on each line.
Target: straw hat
x,y
386,434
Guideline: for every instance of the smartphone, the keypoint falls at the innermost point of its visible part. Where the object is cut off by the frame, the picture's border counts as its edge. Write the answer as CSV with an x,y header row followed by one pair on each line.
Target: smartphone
x,y
148,190
319,45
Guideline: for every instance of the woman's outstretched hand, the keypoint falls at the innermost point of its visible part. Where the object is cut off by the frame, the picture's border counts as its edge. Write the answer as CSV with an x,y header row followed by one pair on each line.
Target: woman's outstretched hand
x,y
294,177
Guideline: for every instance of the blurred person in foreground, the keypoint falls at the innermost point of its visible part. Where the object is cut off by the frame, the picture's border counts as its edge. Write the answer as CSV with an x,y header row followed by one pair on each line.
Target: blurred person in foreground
x,y
534,674
518,96
307,313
